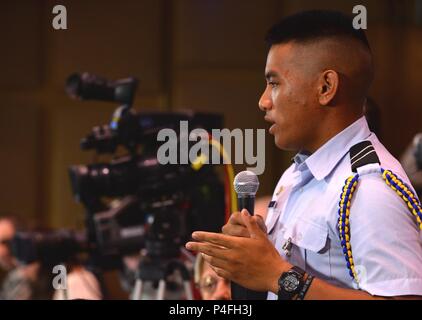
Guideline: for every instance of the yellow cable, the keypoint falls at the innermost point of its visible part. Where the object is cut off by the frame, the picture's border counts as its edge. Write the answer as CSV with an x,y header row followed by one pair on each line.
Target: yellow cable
x,y
230,171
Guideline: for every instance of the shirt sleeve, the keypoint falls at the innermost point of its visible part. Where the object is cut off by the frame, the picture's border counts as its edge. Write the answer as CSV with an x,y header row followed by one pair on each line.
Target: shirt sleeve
x,y
385,239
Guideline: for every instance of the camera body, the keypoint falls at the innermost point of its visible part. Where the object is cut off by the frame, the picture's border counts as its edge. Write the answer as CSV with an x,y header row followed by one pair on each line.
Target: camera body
x,y
133,202
158,205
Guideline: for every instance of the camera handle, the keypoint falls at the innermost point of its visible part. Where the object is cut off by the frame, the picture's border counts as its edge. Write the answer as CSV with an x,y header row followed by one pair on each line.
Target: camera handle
x,y
154,271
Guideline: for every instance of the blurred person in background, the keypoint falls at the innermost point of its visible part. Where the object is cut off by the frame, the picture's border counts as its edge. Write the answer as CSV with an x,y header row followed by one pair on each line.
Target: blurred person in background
x,y
7,232
19,281
411,161
81,284
210,285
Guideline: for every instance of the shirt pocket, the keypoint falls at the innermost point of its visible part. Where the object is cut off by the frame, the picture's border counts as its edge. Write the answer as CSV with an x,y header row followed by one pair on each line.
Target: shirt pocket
x,y
310,246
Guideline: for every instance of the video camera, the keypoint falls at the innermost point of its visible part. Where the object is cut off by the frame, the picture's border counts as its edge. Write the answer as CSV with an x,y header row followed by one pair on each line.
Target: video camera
x,y
133,202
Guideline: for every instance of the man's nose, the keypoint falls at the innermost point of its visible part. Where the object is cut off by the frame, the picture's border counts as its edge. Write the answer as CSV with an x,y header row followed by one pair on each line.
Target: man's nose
x,y
265,102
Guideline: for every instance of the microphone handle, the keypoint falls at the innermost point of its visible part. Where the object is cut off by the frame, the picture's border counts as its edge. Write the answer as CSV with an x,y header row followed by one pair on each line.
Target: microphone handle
x,y
246,202
238,292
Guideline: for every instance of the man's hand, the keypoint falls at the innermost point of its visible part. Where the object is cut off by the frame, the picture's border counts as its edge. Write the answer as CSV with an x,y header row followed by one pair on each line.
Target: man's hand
x,y
236,226
251,261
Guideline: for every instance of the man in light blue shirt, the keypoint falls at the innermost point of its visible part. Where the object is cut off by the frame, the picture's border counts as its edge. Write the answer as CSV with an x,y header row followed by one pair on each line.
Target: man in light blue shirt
x,y
319,70
384,237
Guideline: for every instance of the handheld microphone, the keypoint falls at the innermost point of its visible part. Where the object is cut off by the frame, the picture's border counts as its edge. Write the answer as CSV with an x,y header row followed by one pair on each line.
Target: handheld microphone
x,y
246,185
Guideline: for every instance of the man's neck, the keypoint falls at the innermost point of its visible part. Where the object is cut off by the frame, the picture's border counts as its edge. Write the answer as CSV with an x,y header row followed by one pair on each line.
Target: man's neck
x,y
329,129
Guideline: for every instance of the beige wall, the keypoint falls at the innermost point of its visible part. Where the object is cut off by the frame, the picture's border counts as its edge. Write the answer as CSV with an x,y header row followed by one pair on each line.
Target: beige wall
x,y
205,55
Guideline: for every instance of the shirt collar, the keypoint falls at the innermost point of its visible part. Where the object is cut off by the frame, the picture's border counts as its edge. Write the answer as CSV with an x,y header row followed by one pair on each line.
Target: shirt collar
x,y
325,159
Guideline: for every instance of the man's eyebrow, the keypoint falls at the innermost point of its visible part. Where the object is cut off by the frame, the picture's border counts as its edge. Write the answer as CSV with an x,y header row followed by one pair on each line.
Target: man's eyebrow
x,y
270,74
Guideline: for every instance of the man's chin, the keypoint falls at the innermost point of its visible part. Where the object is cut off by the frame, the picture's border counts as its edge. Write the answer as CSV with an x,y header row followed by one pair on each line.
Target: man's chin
x,y
283,144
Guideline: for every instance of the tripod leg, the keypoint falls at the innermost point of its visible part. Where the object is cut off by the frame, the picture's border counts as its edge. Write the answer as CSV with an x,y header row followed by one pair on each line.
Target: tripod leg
x,y
137,290
161,289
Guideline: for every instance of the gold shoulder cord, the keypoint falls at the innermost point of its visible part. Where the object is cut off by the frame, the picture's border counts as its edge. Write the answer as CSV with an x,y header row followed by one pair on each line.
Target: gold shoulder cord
x,y
395,183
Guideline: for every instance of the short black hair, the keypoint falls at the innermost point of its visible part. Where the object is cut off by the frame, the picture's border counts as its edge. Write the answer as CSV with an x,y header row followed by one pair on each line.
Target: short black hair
x,y
313,25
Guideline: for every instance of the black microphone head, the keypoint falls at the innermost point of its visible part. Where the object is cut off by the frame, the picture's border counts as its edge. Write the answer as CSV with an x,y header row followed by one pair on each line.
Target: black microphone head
x,y
246,183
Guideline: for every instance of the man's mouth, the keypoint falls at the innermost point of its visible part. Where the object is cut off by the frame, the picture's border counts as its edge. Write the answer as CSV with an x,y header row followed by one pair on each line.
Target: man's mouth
x,y
272,128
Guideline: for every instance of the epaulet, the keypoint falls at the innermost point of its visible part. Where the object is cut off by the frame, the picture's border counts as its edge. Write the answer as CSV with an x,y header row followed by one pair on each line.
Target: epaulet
x,y
362,154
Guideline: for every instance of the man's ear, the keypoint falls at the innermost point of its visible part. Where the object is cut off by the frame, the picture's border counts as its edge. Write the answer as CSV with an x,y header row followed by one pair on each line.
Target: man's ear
x,y
328,86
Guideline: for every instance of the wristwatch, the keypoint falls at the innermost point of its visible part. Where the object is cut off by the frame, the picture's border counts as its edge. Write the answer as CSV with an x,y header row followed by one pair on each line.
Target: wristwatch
x,y
290,283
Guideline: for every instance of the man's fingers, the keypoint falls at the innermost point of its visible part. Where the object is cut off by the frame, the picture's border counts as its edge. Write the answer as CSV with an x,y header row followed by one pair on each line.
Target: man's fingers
x,y
235,230
216,262
222,273
261,222
206,248
252,225
236,225
236,219
214,238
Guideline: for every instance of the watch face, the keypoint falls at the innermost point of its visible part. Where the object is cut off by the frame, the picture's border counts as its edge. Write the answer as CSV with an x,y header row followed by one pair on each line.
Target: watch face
x,y
290,283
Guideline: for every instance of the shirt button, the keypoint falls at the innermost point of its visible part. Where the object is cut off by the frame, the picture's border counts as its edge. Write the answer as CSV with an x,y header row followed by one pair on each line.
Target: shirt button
x,y
299,236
